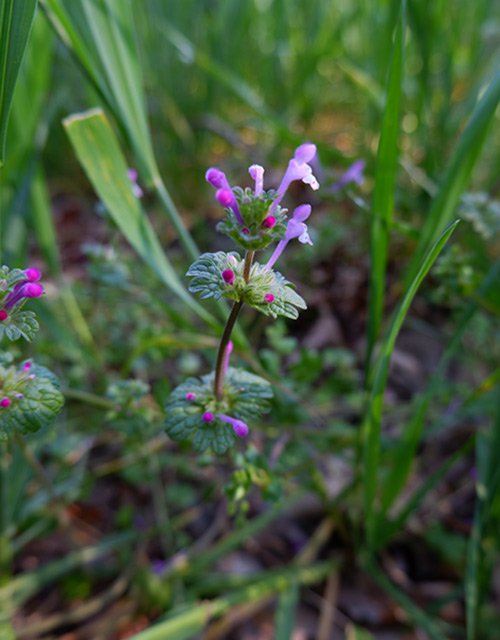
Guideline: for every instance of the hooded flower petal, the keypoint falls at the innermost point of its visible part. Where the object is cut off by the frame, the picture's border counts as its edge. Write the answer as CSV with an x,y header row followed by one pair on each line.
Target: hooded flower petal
x,y
257,173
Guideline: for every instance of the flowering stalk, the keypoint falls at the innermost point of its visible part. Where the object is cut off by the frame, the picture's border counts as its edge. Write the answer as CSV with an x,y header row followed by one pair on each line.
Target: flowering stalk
x,y
212,410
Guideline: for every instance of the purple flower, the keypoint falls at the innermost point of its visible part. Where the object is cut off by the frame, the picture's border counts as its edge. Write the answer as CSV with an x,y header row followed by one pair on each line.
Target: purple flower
x,y
32,274
190,396
159,567
21,291
133,177
224,193
295,229
353,174
5,403
298,169
208,417
240,428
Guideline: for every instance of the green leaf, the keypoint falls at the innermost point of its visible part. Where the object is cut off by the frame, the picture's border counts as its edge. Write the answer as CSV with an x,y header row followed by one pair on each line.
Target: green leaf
x,y
104,163
101,33
372,423
16,19
35,397
265,281
208,282
19,324
246,397
206,273
385,185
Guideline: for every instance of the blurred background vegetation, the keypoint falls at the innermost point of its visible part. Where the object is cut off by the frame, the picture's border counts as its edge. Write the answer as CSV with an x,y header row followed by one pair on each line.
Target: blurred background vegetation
x,y
275,537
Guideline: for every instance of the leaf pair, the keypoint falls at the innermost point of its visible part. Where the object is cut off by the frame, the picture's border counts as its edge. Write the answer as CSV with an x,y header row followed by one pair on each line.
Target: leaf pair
x,y
36,399
267,291
246,397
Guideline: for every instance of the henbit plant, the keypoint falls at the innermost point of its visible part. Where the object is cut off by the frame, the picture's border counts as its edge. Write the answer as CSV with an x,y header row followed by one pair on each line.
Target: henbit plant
x,y
29,393
213,410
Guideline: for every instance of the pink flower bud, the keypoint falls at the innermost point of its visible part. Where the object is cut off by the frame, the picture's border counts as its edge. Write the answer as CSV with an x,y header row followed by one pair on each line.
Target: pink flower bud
x,y
269,222
32,290
32,274
190,396
269,297
208,417
5,403
27,366
3,315
228,276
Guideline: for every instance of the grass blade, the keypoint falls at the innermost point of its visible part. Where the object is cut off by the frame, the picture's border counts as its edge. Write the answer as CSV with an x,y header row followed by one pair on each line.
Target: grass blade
x,y
383,197
403,455
457,175
487,492
16,19
104,163
373,418
184,624
285,613
101,35
421,619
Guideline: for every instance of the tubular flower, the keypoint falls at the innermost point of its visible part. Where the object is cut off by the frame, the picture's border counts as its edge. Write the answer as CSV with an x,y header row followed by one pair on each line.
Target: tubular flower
x,y
29,287
354,173
240,428
298,169
257,173
21,291
224,194
295,229
229,350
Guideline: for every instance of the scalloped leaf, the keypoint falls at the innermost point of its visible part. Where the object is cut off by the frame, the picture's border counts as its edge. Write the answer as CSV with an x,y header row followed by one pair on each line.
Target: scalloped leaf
x,y
40,403
246,397
265,281
19,324
208,282
206,273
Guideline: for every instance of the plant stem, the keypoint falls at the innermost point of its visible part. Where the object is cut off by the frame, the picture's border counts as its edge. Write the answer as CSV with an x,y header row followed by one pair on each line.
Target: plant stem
x,y
228,329
248,265
221,356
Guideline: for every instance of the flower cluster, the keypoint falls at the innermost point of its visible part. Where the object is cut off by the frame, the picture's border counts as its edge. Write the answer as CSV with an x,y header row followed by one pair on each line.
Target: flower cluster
x,y
255,217
27,287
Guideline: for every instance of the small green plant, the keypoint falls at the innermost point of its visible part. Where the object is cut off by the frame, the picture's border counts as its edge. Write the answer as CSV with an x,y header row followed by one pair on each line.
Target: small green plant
x,y
30,396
